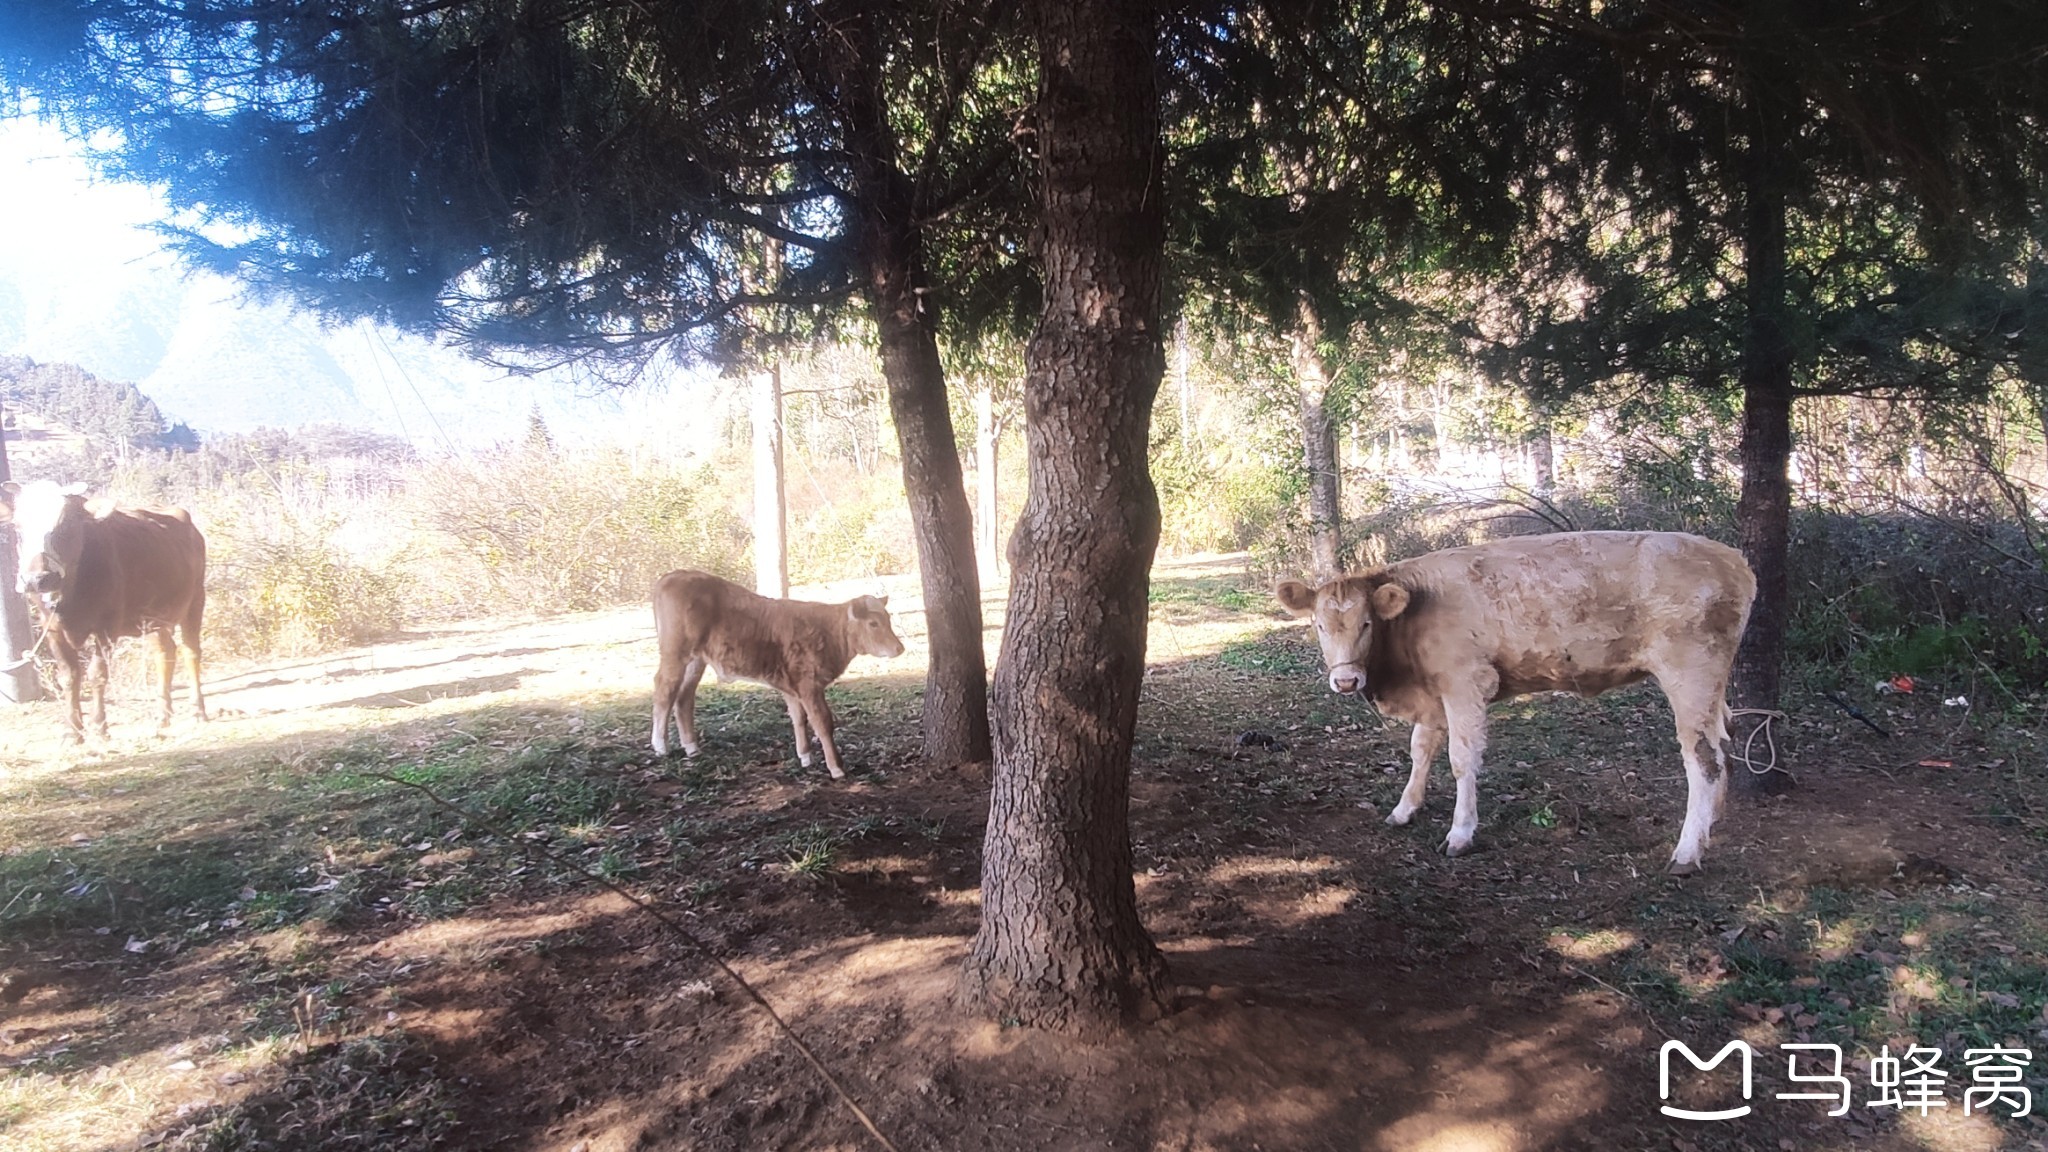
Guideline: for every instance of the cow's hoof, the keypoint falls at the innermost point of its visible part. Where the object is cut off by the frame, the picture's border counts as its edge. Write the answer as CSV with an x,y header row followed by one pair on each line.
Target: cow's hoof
x,y
1678,869
804,759
1456,848
690,750
836,773
1400,819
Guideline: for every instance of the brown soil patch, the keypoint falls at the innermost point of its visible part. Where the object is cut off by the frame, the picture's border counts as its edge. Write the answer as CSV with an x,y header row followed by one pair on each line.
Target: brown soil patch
x,y
1341,986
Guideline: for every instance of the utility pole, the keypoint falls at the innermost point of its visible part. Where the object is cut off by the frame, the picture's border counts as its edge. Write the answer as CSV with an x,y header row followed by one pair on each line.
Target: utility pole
x,y
18,683
771,541
988,546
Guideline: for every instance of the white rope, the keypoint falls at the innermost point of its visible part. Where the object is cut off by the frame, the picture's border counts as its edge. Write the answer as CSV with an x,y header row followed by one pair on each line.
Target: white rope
x,y
1764,729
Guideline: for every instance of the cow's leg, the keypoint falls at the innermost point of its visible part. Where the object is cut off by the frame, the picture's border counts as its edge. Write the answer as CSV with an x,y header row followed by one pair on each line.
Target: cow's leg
x,y
1423,745
1702,740
821,723
686,705
188,639
166,661
102,678
1467,722
796,724
74,677
668,676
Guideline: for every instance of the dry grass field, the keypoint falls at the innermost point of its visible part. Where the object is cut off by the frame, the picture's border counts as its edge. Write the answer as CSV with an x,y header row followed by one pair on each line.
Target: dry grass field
x,y
240,936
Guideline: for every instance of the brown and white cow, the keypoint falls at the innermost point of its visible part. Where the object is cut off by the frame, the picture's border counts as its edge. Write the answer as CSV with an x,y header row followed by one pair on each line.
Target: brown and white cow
x,y
1434,639
796,647
103,571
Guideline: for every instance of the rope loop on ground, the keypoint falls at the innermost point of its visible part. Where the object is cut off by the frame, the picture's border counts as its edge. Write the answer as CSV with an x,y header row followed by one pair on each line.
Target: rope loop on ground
x,y
1770,716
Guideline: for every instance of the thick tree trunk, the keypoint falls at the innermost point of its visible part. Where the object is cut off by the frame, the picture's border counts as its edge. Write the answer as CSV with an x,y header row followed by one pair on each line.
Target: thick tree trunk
x,y
1764,513
1318,444
771,510
955,715
1060,944
956,684
988,544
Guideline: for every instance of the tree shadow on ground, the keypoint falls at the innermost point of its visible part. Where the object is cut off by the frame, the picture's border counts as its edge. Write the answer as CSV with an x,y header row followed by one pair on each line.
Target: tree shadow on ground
x,y
1338,984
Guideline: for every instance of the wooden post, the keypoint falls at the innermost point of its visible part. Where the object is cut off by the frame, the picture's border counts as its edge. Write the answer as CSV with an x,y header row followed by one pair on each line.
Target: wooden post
x,y
18,683
771,545
987,541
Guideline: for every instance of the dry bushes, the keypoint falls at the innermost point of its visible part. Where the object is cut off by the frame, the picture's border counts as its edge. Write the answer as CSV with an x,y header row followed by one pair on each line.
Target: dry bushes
x,y
306,554
280,575
528,530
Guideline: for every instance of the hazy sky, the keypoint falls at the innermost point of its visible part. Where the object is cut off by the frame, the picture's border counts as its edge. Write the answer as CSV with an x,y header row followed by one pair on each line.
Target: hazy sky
x,y
76,244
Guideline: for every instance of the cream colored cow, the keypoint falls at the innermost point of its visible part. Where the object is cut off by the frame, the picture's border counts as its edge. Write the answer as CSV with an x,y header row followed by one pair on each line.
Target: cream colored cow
x,y
1434,639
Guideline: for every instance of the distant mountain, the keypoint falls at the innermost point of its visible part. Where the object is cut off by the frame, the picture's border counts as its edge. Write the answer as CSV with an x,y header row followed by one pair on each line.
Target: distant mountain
x,y
224,365
229,369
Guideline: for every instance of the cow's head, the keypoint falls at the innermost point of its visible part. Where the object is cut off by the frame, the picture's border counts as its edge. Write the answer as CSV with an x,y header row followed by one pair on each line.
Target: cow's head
x,y
1344,612
869,616
49,521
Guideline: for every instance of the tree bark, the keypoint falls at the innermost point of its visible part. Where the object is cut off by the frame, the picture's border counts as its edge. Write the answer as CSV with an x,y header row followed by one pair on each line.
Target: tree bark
x,y
891,242
1318,444
955,713
1060,945
1764,512
987,540
771,510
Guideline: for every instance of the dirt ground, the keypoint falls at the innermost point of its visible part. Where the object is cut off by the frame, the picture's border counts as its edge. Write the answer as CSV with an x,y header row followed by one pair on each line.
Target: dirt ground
x,y
240,936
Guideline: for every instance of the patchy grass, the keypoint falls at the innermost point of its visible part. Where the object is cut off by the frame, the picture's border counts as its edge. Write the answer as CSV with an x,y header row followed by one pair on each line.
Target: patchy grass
x,y
378,1091
245,937
1283,655
1181,598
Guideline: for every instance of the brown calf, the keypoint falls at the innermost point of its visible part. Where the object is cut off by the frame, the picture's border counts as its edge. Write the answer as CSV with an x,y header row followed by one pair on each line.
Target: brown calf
x,y
103,571
794,646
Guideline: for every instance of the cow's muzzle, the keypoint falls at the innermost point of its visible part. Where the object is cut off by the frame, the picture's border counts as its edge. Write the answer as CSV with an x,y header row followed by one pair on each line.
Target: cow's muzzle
x,y
40,583
1347,680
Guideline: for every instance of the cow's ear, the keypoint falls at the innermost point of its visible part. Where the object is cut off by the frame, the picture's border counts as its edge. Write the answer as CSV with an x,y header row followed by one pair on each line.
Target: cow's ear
x,y
857,609
1389,601
882,601
1296,597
